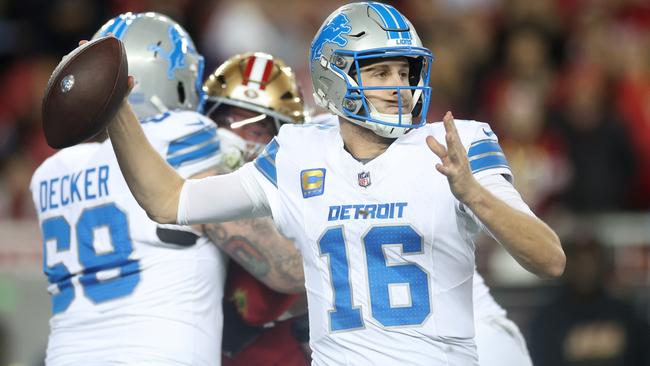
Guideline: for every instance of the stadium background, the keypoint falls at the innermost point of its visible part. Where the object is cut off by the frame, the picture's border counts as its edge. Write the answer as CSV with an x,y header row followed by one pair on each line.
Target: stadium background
x,y
564,83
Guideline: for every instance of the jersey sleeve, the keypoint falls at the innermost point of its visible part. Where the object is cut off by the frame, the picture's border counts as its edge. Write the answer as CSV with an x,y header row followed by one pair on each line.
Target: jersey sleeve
x,y
485,154
188,141
217,198
503,190
270,171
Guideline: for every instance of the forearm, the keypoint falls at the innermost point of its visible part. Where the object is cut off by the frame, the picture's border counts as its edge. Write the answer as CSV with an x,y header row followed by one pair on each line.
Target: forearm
x,y
528,239
262,251
153,183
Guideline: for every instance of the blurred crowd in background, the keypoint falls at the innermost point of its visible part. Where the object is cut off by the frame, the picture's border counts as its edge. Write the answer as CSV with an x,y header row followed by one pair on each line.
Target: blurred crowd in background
x,y
565,84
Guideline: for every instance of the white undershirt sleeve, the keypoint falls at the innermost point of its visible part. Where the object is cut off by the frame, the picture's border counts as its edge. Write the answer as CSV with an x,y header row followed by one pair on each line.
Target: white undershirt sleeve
x,y
221,198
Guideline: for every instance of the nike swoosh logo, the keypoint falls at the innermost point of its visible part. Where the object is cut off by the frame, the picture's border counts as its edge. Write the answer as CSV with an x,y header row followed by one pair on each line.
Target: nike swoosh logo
x,y
488,133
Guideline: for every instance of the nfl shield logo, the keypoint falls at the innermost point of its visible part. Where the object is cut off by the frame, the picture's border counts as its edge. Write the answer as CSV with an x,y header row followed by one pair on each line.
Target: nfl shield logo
x,y
364,179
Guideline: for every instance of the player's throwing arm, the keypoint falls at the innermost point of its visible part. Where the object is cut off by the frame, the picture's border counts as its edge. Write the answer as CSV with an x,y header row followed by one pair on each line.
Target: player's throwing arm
x,y
154,184
532,243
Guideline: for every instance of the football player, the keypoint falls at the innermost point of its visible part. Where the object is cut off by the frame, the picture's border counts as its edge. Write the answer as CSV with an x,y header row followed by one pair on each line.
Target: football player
x,y
124,289
382,206
499,341
249,97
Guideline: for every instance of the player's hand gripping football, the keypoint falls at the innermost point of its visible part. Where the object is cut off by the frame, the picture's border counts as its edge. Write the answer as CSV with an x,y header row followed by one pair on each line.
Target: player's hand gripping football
x,y
455,165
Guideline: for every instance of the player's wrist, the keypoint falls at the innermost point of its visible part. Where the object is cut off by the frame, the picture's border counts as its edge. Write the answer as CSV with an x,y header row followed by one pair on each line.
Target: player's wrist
x,y
473,194
124,118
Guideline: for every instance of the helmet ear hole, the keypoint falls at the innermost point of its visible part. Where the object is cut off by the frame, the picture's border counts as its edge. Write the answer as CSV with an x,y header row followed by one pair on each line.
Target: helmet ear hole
x,y
415,70
222,81
180,88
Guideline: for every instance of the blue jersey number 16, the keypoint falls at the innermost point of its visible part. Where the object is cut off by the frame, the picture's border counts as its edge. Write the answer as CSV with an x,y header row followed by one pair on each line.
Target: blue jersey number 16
x,y
58,229
381,275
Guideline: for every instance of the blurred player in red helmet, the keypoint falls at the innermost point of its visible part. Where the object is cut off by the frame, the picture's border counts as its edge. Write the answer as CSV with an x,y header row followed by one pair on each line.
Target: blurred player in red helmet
x,y
249,97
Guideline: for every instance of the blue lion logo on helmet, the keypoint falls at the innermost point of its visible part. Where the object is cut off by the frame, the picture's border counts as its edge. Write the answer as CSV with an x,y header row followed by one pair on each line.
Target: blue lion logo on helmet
x,y
333,32
176,56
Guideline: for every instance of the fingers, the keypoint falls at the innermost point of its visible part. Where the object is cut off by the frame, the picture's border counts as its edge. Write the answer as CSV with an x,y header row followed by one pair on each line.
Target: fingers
x,y
448,121
443,169
454,146
440,151
450,128
131,83
436,147
84,41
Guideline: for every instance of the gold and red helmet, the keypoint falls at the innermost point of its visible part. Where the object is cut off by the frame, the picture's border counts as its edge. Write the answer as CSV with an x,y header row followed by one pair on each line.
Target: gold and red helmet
x,y
257,82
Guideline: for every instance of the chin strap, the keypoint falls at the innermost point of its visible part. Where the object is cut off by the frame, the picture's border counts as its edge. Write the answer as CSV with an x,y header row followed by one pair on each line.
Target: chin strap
x,y
390,118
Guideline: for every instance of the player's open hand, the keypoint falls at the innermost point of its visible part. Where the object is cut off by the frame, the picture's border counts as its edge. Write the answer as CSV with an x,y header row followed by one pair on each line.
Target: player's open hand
x,y
454,163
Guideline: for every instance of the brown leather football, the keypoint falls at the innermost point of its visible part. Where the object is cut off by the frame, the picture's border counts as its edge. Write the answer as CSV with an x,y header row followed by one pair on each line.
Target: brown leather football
x,y
84,92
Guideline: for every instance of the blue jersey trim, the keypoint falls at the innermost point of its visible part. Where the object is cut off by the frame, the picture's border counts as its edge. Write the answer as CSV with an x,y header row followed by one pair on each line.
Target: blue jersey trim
x,y
203,152
197,138
484,146
265,162
489,162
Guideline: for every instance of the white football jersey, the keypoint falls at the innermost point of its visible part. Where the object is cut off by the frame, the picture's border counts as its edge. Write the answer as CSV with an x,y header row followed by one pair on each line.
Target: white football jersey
x,y
388,253
484,304
126,290
498,339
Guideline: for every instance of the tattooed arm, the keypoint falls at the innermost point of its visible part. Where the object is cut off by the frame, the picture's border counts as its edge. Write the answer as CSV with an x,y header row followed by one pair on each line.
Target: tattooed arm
x,y
262,251
259,248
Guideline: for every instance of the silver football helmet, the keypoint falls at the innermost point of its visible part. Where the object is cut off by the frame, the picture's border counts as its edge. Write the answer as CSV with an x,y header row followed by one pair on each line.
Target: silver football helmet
x,y
167,68
361,33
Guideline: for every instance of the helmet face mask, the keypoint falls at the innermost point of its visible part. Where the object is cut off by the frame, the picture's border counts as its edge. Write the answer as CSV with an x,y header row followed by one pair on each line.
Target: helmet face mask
x,y
358,34
252,124
220,110
162,57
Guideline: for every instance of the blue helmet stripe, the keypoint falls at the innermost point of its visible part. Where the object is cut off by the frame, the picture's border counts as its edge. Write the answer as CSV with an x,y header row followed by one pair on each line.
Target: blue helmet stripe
x,y
117,21
401,22
119,25
386,18
119,32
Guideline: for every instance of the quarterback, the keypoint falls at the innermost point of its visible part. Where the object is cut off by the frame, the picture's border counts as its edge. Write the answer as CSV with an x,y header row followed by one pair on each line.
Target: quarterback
x,y
382,206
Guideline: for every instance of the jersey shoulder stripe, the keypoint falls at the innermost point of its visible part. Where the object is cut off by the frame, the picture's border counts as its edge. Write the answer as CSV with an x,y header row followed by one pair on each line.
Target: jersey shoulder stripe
x,y
483,150
194,147
265,162
486,154
187,140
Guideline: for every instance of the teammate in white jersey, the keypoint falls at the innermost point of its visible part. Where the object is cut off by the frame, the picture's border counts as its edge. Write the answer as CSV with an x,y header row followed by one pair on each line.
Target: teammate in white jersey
x,y
126,290
386,239
498,339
